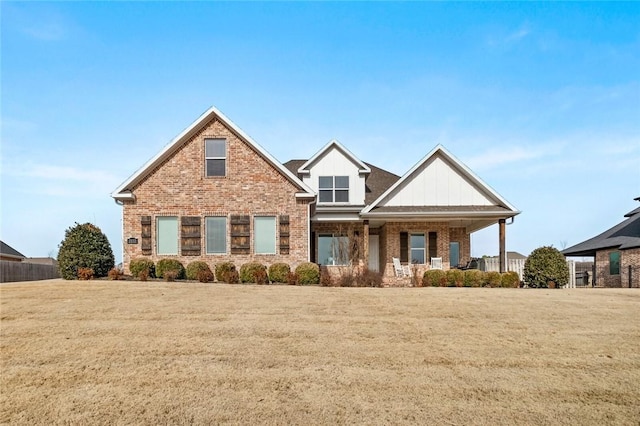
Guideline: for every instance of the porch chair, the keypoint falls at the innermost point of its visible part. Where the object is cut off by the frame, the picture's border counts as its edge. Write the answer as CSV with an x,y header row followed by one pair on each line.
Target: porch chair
x,y
436,263
397,267
406,269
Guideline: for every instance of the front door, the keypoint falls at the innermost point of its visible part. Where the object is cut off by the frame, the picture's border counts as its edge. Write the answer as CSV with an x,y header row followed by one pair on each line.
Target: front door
x,y
374,253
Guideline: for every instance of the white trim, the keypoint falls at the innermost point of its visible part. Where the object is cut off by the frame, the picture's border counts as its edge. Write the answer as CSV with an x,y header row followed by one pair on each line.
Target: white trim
x,y
439,149
125,188
362,168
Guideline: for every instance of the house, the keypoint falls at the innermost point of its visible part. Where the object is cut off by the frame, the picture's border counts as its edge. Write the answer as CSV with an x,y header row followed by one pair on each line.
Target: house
x,y
214,194
616,252
9,253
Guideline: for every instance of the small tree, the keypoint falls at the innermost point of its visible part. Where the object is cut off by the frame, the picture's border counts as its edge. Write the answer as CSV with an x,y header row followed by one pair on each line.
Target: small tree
x,y
546,267
84,246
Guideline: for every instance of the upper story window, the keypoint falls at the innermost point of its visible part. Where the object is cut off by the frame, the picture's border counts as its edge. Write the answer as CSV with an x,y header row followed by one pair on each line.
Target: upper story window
x,y
334,189
215,154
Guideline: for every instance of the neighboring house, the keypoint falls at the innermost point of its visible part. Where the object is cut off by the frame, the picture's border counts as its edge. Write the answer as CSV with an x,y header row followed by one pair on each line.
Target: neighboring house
x,y
214,194
616,253
9,253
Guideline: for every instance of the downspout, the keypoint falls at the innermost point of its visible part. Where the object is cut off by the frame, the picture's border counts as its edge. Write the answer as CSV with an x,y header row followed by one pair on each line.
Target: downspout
x,y
309,258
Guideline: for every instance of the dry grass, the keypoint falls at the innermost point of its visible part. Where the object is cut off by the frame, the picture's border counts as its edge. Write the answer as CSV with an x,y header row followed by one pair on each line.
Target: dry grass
x,y
175,353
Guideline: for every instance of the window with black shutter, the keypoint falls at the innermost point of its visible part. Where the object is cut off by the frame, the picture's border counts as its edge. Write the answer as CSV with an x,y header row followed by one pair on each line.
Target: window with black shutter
x,y
284,234
190,236
240,234
404,247
145,222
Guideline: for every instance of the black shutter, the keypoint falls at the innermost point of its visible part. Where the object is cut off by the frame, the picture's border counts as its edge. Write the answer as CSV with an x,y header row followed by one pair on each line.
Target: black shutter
x,y
240,234
404,247
145,222
284,234
190,236
433,244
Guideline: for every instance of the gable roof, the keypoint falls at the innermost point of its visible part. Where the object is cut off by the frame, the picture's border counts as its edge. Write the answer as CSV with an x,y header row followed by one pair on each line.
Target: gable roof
x,y
7,250
123,191
362,167
500,205
625,235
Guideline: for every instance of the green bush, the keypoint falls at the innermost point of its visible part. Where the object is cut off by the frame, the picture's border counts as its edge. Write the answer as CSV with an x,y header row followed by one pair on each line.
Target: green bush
x,y
278,272
472,278
226,272
166,265
510,279
434,278
492,279
455,278
546,267
195,267
252,272
308,273
136,266
85,246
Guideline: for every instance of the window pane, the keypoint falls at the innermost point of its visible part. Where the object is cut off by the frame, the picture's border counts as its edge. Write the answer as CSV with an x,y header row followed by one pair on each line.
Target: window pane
x,y
216,167
417,241
265,235
215,148
216,235
454,254
326,196
342,196
341,249
167,235
325,182
342,182
325,254
417,256
614,263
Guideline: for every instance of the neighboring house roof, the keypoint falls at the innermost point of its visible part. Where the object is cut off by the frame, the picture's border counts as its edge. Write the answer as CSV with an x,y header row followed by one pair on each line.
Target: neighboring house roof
x,y
486,201
513,255
623,236
8,251
123,192
362,167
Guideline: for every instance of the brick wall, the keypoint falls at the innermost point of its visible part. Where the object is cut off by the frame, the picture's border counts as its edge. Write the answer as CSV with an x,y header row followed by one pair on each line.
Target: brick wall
x,y
179,187
630,258
603,277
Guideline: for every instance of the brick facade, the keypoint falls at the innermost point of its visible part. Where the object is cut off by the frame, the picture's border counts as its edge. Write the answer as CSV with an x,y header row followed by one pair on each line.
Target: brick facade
x,y
628,258
252,186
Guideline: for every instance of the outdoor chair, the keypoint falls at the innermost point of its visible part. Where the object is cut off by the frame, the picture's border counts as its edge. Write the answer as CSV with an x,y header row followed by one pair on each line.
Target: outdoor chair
x,y
436,263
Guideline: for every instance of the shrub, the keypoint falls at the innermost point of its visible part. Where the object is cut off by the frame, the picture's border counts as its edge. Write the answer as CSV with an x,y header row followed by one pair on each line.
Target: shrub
x,y
369,278
194,268
205,276
260,276
84,246
249,270
434,278
510,279
85,274
137,266
347,278
226,272
326,280
308,273
492,279
165,265
455,278
143,275
115,274
546,265
278,272
472,278
292,278
170,275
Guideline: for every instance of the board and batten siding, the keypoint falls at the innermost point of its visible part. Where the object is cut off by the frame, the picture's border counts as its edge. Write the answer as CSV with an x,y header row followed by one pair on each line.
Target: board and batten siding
x,y
437,183
334,163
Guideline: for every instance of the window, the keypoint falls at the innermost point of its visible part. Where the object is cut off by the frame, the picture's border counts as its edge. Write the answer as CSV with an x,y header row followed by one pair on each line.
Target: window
x,y
614,263
216,235
167,235
264,230
333,249
454,254
417,248
334,189
215,153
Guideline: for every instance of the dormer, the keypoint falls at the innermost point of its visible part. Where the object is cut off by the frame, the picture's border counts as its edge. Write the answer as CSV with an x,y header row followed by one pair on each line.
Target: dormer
x,y
337,176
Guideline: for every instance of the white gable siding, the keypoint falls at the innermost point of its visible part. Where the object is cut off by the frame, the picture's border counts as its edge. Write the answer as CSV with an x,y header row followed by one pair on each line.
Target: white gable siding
x,y
437,183
334,163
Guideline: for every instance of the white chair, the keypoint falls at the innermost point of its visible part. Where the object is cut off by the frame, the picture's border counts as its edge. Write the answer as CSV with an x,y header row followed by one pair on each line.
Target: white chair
x,y
397,267
436,263
406,269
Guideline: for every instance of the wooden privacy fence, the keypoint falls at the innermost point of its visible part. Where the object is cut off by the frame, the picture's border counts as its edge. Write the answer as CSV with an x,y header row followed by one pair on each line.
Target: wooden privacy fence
x,y
24,271
517,265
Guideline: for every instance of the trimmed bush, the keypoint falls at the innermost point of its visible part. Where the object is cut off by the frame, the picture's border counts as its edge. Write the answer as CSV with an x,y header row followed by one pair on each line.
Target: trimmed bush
x,y
137,266
308,273
249,272
84,246
492,279
292,278
165,265
546,267
455,278
115,274
510,279
472,278
278,272
226,272
205,276
194,268
85,274
170,275
434,278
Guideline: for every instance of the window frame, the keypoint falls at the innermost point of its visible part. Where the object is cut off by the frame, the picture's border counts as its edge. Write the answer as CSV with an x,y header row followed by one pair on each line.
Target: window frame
x,y
334,189
224,236
159,240
413,249
207,158
614,264
334,255
256,219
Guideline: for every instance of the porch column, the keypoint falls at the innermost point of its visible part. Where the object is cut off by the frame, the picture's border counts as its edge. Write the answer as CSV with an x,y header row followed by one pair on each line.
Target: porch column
x,y
365,244
503,253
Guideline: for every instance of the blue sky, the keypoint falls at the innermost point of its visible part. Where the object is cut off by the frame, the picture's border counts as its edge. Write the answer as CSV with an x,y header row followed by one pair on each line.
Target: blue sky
x,y
541,100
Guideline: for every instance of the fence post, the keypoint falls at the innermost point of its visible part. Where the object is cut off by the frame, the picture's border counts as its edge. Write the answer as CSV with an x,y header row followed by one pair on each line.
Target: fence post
x,y
572,274
630,278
